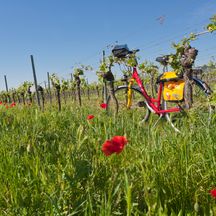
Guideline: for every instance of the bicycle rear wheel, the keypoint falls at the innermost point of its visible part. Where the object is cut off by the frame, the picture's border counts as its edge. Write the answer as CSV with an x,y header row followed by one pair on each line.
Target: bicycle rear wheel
x,y
201,93
201,106
118,105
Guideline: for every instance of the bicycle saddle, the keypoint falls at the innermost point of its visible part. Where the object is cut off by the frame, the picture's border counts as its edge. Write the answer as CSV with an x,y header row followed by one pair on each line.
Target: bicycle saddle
x,y
163,59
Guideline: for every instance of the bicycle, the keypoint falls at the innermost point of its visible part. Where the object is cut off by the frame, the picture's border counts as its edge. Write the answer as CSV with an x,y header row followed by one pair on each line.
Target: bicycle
x,y
130,97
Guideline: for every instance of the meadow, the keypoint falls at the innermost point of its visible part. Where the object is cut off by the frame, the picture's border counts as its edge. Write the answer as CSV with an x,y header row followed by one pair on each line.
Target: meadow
x,y
52,163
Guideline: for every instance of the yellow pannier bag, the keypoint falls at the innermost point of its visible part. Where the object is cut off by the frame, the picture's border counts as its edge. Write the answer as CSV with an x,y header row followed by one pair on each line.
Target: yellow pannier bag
x,y
170,75
174,90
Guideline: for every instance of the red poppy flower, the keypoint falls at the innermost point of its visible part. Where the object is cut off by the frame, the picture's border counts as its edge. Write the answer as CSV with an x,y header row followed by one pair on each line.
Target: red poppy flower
x,y
89,117
103,106
0,102
115,145
13,104
213,193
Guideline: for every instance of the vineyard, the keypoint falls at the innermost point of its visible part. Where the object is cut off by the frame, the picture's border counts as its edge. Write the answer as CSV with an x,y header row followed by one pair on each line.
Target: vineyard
x,y
62,153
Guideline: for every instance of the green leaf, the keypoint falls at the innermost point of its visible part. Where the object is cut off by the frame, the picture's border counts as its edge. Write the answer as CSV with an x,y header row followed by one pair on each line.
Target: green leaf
x,y
211,27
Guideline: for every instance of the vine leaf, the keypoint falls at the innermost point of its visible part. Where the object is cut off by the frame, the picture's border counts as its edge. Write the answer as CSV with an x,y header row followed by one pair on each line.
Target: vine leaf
x,y
212,26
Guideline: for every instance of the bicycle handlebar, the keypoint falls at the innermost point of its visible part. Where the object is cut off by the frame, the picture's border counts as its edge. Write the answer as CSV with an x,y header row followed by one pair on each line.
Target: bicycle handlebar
x,y
134,51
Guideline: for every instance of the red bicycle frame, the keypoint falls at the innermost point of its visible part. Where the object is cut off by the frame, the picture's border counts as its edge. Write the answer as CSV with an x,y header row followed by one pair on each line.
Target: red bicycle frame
x,y
154,104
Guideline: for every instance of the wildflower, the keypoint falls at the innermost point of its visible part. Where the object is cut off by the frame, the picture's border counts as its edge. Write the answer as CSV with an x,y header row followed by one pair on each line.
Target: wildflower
x,y
115,145
213,193
13,104
103,105
89,117
0,102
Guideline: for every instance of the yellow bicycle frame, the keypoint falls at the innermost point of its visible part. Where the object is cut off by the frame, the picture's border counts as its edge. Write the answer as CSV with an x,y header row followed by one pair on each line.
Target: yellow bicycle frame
x,y
129,93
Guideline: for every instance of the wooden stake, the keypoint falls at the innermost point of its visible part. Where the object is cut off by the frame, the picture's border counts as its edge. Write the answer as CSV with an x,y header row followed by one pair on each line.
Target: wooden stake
x,y
35,81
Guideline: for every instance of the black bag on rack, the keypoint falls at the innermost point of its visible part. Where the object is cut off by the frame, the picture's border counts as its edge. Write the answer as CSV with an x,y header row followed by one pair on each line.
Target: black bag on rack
x,y
121,51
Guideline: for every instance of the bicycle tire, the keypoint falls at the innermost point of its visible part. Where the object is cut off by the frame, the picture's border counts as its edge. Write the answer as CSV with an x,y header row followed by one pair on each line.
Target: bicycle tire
x,y
118,105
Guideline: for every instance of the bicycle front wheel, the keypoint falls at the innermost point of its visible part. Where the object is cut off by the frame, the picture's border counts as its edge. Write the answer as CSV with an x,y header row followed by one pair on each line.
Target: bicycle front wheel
x,y
118,105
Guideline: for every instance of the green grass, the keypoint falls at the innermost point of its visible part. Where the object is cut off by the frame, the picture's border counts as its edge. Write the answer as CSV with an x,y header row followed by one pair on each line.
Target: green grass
x,y
51,164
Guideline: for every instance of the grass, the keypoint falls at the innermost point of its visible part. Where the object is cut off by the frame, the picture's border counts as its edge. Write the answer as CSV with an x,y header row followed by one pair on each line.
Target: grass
x,y
52,164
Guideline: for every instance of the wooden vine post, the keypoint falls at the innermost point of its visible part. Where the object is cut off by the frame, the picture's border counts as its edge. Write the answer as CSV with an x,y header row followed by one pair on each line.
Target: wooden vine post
x,y
6,87
49,89
35,81
6,84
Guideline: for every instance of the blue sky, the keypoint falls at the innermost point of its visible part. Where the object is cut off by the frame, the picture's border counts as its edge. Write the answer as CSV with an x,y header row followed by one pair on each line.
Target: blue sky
x,y
62,34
